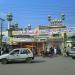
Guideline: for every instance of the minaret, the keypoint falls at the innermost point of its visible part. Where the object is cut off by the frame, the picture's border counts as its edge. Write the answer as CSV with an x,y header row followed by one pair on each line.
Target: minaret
x,y
62,16
49,19
29,26
16,26
9,19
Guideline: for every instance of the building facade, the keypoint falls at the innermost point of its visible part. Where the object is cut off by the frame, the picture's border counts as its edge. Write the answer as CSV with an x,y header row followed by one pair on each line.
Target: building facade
x,y
40,38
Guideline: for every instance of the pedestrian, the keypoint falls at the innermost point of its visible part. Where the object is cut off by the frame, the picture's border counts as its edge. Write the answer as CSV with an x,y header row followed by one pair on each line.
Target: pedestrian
x,y
55,51
58,50
7,50
2,51
52,51
64,52
33,50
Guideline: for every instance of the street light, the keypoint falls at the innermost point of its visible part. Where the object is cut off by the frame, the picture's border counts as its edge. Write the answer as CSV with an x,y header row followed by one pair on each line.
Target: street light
x,y
1,30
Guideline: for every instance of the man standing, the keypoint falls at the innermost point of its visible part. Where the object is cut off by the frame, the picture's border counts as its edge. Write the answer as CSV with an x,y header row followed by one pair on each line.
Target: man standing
x,y
52,50
55,51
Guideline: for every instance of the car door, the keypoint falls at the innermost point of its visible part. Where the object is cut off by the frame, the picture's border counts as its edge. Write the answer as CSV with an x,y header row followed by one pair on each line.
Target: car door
x,y
23,54
14,55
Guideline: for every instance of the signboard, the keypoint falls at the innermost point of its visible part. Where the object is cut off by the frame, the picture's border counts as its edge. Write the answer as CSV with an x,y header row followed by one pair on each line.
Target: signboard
x,y
22,40
5,39
30,32
50,31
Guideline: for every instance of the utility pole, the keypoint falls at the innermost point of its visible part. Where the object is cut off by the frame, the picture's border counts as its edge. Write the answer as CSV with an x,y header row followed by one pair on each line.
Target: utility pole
x,y
1,20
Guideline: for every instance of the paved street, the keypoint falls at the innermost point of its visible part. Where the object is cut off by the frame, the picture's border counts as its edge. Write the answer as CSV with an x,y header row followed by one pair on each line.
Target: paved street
x,y
41,66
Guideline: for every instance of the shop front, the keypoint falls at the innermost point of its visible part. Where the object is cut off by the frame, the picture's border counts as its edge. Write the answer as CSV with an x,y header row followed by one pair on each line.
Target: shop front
x,y
38,47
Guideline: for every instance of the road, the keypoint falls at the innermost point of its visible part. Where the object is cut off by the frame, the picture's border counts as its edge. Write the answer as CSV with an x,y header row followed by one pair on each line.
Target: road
x,y
41,66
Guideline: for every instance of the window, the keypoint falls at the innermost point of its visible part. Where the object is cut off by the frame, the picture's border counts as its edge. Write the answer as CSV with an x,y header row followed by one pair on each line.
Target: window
x,y
15,52
73,49
56,35
25,51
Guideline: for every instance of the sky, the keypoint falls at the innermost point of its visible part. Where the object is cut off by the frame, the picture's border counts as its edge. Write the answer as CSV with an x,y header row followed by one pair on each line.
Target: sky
x,y
35,12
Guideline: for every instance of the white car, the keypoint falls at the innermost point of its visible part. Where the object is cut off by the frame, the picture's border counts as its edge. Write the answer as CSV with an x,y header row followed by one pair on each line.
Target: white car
x,y
18,54
72,52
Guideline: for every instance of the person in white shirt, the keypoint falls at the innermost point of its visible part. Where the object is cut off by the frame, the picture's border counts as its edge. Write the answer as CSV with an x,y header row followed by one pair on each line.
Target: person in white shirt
x,y
55,51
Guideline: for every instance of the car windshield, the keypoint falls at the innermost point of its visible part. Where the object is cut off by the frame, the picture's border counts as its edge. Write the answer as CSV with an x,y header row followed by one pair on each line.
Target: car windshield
x,y
73,49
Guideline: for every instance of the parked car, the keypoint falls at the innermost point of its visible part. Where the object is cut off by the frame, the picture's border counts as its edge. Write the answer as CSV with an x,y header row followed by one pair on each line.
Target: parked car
x,y
72,53
18,54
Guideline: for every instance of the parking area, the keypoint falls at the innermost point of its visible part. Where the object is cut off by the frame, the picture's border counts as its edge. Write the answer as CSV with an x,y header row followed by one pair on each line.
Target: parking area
x,y
41,66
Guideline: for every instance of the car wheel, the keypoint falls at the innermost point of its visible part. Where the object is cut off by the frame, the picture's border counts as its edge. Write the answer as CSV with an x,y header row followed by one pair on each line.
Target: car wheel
x,y
28,60
73,57
4,61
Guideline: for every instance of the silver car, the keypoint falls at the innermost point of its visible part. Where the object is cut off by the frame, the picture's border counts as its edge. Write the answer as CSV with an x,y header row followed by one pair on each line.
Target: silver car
x,y
18,54
72,53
